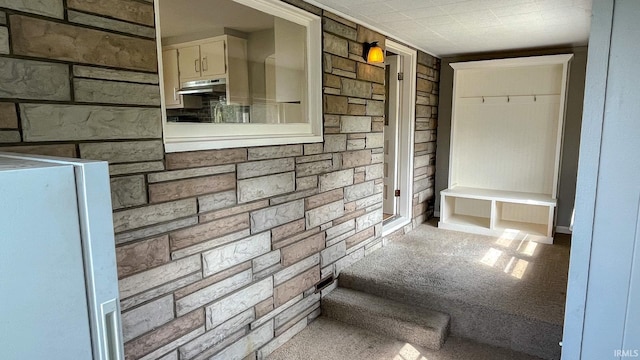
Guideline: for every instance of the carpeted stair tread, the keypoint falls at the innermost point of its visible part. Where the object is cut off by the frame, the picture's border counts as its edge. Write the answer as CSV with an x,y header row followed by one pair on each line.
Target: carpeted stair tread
x,y
444,271
415,325
329,339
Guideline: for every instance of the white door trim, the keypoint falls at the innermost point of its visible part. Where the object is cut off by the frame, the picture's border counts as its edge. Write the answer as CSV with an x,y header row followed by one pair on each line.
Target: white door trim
x,y
406,133
391,136
587,183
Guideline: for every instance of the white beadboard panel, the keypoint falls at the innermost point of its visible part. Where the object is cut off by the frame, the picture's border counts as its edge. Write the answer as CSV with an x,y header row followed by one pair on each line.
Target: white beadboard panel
x,y
506,143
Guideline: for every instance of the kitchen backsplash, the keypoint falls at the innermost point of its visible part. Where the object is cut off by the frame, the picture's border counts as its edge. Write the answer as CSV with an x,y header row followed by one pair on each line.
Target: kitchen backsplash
x,y
190,115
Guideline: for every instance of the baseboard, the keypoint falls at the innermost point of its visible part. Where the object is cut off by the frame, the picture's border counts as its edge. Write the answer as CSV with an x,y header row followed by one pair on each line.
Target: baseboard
x,y
563,230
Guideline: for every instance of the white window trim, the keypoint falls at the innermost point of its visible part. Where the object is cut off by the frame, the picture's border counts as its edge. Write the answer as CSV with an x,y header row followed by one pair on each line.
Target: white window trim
x,y
189,137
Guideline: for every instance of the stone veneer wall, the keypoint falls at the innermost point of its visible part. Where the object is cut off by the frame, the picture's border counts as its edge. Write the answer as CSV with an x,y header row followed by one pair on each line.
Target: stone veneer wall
x,y
218,251
424,165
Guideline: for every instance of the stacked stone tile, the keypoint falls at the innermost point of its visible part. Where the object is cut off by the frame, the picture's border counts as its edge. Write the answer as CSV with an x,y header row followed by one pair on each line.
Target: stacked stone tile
x,y
218,251
48,77
428,79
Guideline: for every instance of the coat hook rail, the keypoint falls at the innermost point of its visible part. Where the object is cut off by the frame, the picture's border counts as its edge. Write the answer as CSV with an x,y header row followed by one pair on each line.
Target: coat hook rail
x,y
488,99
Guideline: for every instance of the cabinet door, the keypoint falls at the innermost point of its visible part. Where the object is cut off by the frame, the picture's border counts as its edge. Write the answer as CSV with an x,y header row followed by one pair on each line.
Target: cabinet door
x,y
213,59
171,78
189,63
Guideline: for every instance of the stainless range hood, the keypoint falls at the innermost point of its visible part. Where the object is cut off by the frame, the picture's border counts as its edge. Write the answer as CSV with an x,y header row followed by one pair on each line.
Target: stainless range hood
x,y
202,87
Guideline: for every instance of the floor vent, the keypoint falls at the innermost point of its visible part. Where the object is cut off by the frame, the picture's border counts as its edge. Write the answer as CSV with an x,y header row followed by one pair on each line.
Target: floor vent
x,y
324,283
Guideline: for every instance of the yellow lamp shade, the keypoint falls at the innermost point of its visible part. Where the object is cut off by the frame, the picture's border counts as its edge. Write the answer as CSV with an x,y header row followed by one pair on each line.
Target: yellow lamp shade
x,y
372,53
375,54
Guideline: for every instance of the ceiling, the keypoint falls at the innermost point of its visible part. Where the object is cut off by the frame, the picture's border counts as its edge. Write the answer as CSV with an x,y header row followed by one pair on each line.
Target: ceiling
x,y
206,16
455,27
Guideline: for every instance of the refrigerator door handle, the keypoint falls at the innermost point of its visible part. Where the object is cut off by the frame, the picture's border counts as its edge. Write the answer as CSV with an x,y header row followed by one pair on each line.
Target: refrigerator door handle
x,y
111,335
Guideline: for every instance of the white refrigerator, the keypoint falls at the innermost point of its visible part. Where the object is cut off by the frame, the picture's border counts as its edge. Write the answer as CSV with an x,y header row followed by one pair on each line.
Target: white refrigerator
x,y
58,280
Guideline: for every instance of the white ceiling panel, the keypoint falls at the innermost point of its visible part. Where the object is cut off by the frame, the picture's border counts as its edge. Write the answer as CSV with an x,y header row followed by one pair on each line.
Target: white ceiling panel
x,y
454,27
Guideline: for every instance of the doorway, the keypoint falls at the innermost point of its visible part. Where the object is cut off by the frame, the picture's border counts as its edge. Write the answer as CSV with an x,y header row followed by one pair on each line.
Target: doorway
x,y
400,66
392,112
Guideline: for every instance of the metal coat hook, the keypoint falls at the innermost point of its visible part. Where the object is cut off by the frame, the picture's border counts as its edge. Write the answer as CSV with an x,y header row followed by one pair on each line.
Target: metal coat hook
x,y
535,98
508,99
483,99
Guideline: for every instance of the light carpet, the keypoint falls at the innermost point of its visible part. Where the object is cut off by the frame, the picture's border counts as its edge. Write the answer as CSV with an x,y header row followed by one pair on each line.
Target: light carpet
x,y
326,339
500,291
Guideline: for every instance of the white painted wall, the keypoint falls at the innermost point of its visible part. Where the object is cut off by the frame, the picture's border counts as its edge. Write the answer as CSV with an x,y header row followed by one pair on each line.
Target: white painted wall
x,y
290,41
260,45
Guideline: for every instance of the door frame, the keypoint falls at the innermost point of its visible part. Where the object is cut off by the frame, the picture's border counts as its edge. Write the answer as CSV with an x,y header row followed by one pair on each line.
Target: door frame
x,y
406,131
391,136
593,119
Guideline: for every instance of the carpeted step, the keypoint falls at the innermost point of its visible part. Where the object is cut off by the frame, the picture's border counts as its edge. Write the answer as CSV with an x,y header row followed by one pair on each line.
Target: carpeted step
x,y
329,339
470,320
412,324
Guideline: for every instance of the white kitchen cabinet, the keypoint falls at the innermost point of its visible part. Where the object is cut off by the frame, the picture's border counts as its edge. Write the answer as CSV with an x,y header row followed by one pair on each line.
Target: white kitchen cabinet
x,y
202,62
189,63
506,138
213,59
171,78
221,57
172,83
